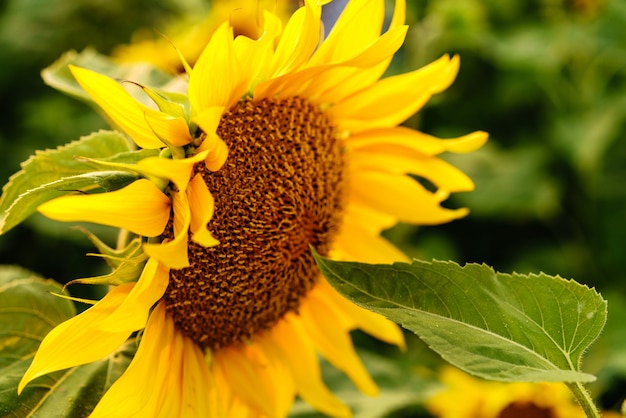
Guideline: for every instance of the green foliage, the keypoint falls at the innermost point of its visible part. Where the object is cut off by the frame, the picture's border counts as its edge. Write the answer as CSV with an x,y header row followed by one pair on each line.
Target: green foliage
x,y
28,312
58,75
53,173
496,326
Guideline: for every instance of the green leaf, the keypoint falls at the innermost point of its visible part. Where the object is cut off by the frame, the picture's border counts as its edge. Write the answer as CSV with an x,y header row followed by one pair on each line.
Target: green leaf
x,y
52,173
59,76
28,311
493,325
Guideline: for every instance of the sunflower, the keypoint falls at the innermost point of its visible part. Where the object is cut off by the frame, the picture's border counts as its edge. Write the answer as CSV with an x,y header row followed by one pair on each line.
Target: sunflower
x,y
467,397
192,31
283,142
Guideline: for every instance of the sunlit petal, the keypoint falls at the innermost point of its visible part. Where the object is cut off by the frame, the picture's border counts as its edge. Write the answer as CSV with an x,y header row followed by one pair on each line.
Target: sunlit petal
x,y
169,129
133,312
173,253
401,140
327,328
139,392
216,85
201,204
366,320
80,340
402,197
299,352
392,100
139,207
121,107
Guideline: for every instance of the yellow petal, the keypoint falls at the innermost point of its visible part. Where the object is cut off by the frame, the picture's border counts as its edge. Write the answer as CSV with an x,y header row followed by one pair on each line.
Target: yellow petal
x,y
80,340
217,152
201,205
126,112
326,325
402,139
369,63
402,197
174,253
139,207
253,56
358,73
299,352
142,390
133,312
243,378
196,382
356,244
467,143
299,40
359,24
208,120
392,100
374,324
440,173
178,171
370,220
276,373
171,130
216,79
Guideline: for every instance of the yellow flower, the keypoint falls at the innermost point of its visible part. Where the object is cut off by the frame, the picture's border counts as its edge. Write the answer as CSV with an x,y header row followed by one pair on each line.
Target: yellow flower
x,y
191,33
291,141
468,397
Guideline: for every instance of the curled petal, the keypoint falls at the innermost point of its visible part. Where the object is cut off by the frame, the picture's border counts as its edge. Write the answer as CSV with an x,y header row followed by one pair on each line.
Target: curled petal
x,y
392,100
121,107
403,198
174,253
328,328
208,120
178,171
354,243
201,204
439,172
216,85
169,129
133,312
139,207
80,340
167,377
405,140
299,353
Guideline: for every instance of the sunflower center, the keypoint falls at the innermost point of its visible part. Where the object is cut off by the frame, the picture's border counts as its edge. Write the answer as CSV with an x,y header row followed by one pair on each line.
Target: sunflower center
x,y
525,410
280,190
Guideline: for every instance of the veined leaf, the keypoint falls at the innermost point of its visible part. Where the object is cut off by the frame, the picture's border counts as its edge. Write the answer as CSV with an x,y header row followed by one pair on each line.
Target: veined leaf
x,y
493,325
28,311
59,76
52,173
26,203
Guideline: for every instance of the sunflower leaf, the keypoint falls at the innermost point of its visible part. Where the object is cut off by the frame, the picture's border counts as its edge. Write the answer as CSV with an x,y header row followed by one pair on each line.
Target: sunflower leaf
x,y
52,173
59,76
493,325
28,312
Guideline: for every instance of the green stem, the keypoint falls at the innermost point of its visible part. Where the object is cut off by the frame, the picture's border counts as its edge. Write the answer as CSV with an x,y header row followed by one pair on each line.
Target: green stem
x,y
584,399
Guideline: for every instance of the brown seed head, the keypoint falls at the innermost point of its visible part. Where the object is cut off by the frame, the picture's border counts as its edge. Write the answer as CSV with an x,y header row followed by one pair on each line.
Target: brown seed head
x,y
280,190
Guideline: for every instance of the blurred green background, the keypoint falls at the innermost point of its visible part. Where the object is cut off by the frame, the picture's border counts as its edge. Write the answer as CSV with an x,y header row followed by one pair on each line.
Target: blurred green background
x,y
546,79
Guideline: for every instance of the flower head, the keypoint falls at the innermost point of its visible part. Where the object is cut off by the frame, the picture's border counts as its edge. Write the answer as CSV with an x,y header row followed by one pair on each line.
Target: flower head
x,y
283,141
468,397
